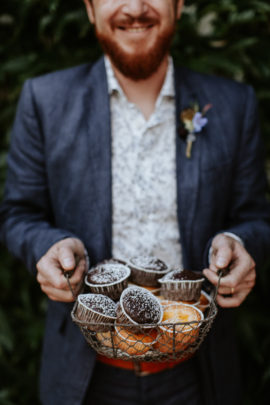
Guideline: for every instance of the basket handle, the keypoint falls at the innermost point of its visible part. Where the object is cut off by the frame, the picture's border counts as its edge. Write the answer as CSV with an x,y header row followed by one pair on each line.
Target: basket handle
x,y
221,273
68,274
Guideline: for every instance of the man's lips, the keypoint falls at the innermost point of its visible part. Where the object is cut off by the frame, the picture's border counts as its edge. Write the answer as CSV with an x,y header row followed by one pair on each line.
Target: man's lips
x,y
133,25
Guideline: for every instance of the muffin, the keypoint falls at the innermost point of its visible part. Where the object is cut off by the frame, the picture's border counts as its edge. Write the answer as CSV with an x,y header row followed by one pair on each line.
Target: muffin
x,y
146,270
178,334
108,279
134,343
204,301
140,308
95,309
106,338
181,285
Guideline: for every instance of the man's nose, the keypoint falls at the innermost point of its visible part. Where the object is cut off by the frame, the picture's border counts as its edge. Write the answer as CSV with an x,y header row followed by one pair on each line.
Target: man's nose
x,y
135,8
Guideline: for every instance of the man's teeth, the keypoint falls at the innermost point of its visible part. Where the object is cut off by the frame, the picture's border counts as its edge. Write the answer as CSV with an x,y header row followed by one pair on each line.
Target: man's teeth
x,y
138,29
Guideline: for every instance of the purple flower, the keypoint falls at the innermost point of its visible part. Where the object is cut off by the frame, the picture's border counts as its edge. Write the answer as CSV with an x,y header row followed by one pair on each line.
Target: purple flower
x,y
199,122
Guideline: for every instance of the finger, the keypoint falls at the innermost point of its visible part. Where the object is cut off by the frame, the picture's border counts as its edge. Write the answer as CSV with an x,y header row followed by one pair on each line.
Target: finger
x,y
222,251
44,281
50,273
59,281
234,290
222,257
66,257
75,286
226,285
238,272
251,275
211,275
79,272
58,295
233,301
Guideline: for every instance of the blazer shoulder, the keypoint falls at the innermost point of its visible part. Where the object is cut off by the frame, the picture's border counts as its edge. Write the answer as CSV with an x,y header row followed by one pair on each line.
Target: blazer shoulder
x,y
53,92
61,81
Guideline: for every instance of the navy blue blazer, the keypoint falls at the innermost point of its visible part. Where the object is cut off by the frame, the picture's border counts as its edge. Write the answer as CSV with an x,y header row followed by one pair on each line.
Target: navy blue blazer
x,y
59,185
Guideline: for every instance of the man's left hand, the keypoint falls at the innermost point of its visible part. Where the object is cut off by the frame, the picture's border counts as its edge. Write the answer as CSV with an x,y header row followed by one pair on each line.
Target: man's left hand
x,y
234,287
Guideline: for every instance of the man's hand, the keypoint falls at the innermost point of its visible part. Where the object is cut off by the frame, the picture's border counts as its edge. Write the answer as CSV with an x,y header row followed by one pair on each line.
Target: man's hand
x,y
234,287
68,254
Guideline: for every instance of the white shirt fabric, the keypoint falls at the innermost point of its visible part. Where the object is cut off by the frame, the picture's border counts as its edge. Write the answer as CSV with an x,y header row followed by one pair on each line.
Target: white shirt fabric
x,y
144,175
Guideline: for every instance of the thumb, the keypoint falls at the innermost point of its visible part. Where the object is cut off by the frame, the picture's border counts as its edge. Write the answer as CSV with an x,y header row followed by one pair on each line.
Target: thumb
x,y
222,252
222,257
67,258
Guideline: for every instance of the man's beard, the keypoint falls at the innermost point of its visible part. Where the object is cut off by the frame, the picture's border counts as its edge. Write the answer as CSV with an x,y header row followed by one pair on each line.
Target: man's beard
x,y
142,63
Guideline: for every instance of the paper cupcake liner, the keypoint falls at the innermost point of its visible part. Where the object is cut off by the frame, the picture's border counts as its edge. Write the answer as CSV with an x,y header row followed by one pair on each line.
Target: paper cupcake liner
x,y
204,306
112,291
133,344
107,338
182,290
89,316
144,277
180,336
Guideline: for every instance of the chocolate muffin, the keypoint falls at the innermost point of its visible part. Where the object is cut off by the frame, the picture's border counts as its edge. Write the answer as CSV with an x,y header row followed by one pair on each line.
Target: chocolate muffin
x,y
181,284
109,279
146,270
95,309
138,307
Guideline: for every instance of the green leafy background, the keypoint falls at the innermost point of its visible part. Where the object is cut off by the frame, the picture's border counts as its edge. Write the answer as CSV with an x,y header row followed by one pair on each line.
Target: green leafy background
x,y
227,37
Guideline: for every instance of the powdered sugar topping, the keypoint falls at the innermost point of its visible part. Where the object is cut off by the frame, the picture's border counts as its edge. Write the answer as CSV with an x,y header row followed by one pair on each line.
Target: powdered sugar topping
x,y
99,303
107,273
141,306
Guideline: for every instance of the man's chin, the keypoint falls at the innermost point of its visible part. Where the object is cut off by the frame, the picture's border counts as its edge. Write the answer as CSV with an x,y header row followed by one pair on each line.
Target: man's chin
x,y
136,68
136,65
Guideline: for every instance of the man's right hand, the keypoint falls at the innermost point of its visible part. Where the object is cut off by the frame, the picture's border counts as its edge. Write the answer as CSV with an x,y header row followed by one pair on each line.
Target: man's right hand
x,y
68,254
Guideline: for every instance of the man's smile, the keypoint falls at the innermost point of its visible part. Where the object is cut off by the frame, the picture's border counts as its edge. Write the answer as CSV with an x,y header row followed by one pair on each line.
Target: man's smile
x,y
135,29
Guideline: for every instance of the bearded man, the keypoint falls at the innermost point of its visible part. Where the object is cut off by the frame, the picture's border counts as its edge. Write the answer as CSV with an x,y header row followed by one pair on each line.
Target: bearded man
x,y
97,168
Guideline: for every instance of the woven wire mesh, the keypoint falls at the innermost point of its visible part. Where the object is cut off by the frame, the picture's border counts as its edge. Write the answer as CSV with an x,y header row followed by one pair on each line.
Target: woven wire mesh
x,y
165,341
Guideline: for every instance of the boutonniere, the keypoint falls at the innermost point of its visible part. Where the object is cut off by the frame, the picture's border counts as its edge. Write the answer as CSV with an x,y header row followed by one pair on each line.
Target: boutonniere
x,y
192,122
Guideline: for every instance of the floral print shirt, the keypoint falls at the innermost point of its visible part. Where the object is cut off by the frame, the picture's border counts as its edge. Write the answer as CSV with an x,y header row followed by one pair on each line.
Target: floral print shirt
x,y
144,175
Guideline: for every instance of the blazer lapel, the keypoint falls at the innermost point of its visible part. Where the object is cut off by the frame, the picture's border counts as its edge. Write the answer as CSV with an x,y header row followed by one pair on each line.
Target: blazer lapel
x,y
188,169
99,144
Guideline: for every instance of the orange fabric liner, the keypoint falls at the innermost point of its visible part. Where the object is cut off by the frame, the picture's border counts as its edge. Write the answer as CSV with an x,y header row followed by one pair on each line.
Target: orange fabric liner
x,y
145,366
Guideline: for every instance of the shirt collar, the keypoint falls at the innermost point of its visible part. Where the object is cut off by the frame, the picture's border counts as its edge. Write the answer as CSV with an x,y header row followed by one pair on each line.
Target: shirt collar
x,y
167,89
113,84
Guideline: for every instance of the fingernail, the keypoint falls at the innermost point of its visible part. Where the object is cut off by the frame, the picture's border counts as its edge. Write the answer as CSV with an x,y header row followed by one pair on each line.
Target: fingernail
x,y
221,261
67,262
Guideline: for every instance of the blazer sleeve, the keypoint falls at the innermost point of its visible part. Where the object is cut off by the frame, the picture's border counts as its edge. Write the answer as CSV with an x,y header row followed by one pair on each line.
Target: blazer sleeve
x,y
249,214
26,218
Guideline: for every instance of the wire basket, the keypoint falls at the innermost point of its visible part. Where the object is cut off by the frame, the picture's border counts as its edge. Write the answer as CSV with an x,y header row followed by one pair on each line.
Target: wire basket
x,y
153,342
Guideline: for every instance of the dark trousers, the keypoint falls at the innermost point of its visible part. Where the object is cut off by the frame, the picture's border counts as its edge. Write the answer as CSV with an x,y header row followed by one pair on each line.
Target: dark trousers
x,y
115,386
